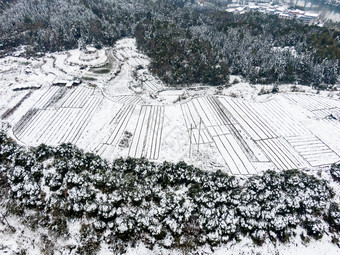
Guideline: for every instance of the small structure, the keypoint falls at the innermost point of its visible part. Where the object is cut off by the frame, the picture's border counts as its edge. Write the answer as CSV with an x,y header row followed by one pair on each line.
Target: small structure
x,y
285,16
296,12
66,82
59,82
28,70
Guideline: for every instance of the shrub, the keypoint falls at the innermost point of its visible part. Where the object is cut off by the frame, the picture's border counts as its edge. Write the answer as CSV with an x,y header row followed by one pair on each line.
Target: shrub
x,y
335,171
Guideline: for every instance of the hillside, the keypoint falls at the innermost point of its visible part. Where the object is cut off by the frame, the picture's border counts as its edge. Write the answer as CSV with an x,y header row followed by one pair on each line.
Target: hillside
x,y
167,127
262,48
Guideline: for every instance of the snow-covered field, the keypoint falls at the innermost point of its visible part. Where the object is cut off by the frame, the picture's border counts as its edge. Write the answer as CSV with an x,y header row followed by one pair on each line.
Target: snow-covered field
x,y
120,109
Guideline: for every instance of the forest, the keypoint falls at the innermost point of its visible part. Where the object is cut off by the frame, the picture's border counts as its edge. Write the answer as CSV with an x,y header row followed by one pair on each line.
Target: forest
x,y
187,43
165,204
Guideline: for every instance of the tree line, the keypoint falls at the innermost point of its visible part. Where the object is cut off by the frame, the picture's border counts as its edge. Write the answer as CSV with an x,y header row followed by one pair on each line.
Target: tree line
x,y
172,205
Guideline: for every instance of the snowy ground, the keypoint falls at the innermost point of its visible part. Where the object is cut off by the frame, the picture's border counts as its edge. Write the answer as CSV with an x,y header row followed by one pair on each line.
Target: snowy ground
x,y
120,109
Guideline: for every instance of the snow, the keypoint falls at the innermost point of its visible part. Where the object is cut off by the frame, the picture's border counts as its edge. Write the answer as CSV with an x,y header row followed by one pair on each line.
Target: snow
x,y
126,111
127,99
313,248
20,240
247,248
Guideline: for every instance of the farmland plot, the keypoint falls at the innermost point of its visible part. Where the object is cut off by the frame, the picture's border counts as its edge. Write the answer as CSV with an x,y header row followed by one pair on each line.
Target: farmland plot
x,y
331,125
282,154
62,125
175,144
327,113
130,54
73,132
52,125
128,99
215,127
77,98
229,142
146,140
193,122
234,157
276,132
327,131
114,131
268,124
313,150
242,138
249,119
249,146
31,130
13,104
44,100
24,121
120,122
312,102
37,114
284,124
57,98
152,86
